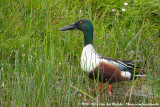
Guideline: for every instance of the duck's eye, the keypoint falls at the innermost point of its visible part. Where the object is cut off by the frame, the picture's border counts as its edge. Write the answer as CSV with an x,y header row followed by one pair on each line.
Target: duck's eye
x,y
81,22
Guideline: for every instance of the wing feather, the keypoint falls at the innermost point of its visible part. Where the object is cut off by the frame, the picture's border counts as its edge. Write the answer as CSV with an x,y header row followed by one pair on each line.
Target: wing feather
x,y
123,65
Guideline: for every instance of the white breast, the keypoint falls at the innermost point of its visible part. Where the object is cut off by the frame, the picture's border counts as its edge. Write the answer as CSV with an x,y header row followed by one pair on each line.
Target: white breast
x,y
89,58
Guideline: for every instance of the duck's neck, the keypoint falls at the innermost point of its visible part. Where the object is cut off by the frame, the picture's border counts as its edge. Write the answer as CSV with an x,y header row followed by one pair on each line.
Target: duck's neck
x,y
88,37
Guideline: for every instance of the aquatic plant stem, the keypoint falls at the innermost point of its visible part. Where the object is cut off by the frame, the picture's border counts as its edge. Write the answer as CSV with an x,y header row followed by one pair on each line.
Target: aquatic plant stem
x,y
133,81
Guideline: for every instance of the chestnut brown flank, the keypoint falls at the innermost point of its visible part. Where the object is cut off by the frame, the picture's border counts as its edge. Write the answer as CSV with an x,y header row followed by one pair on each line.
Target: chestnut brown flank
x,y
107,73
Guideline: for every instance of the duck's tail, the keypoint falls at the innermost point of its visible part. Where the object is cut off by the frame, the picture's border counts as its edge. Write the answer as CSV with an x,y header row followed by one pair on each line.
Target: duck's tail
x,y
137,74
130,68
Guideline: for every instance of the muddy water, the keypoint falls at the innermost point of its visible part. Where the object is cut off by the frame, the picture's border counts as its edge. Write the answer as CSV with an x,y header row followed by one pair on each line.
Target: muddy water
x,y
141,92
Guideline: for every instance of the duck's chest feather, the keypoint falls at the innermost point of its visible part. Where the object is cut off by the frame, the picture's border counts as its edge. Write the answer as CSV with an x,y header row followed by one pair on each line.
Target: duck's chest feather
x,y
89,58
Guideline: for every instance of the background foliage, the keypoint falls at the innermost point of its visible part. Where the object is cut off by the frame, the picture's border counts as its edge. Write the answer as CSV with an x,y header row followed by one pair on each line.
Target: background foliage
x,y
39,64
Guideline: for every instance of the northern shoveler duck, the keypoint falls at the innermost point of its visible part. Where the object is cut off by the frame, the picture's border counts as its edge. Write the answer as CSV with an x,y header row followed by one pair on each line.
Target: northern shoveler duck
x,y
104,68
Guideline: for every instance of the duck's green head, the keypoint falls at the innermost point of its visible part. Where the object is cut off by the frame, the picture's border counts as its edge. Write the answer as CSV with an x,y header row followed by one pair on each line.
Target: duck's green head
x,y
85,26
